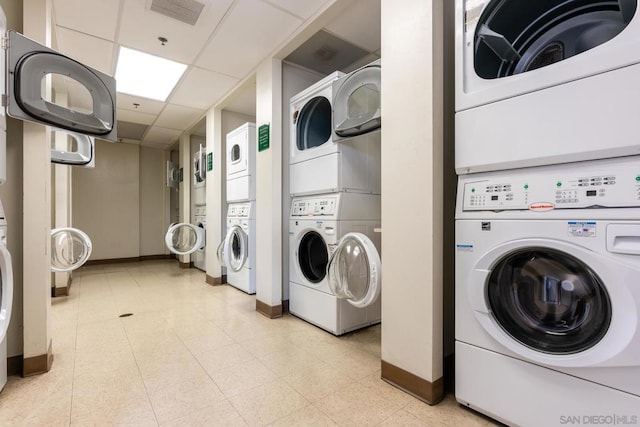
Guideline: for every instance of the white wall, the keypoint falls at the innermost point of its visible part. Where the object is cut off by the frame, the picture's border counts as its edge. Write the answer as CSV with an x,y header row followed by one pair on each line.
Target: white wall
x,y
106,201
153,201
412,174
294,80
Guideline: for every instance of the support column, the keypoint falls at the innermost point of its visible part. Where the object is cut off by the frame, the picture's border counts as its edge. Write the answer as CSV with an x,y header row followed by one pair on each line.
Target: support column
x,y
185,190
412,343
215,203
269,190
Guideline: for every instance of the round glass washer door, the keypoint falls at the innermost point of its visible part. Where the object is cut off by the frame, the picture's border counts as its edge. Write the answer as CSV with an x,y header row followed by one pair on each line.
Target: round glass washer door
x,y
548,300
356,104
313,257
235,249
354,270
6,290
70,249
184,239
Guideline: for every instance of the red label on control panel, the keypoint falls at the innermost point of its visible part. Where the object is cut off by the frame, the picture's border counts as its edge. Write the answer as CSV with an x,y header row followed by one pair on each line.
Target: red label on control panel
x,y
542,207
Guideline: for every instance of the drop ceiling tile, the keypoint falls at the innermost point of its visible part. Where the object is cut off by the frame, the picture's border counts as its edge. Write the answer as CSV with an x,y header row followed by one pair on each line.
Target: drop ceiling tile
x,y
201,88
158,135
140,28
135,116
98,18
89,50
250,32
303,9
359,24
178,117
145,105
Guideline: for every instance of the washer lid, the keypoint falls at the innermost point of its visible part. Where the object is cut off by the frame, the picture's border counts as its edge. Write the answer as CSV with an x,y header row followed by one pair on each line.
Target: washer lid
x,y
29,62
70,249
235,249
6,290
184,239
354,270
356,103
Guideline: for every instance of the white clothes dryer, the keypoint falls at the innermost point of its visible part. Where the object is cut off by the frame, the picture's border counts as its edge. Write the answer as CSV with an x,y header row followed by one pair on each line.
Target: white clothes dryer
x,y
237,252
545,82
318,164
547,307
241,163
337,229
6,296
200,176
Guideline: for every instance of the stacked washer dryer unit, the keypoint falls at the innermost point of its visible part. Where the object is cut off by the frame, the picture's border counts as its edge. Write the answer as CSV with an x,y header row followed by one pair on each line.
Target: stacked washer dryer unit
x,y
237,252
546,255
22,65
334,266
189,238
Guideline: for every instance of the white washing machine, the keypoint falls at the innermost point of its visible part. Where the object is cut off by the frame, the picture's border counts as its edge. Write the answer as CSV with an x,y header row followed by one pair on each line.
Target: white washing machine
x,y
336,228
318,164
241,163
185,238
200,176
356,103
237,252
6,296
200,221
547,295
545,82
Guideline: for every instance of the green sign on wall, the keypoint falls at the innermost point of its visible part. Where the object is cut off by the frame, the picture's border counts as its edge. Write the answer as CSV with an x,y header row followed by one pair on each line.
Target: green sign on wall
x,y
181,174
209,162
263,138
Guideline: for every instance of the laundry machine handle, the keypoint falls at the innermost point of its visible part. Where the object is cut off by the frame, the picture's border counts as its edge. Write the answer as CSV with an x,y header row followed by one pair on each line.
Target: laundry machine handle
x,y
7,279
476,289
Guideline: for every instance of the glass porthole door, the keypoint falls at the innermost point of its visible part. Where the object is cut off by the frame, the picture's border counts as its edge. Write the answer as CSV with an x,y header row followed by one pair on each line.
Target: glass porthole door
x,y
6,289
185,239
235,249
70,249
354,270
356,103
313,123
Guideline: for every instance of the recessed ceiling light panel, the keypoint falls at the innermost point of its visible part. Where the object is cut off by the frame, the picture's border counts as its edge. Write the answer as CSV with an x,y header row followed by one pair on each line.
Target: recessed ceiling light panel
x,y
149,76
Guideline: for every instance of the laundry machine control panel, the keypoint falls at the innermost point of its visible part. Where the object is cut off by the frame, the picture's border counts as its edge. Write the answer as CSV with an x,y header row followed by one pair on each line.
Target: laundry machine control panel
x,y
314,207
239,210
609,185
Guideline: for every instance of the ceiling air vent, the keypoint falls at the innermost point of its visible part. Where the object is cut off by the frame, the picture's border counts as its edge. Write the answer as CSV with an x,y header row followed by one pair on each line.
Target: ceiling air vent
x,y
187,11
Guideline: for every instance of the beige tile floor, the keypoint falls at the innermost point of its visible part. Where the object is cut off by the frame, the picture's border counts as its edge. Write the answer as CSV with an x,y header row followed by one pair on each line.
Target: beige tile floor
x,y
193,354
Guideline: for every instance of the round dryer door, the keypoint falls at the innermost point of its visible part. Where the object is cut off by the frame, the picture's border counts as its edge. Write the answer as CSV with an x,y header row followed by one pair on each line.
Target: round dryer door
x,y
184,239
70,249
514,37
356,103
354,270
220,254
313,123
6,289
235,249
549,300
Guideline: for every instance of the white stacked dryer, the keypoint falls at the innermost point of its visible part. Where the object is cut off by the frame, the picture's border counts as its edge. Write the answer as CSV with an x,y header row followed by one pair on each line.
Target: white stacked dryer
x,y
200,221
6,296
545,82
237,250
547,295
334,266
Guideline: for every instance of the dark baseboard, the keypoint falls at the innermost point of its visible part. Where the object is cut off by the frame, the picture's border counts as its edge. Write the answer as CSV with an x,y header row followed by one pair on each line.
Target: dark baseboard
x,y
216,281
14,365
285,306
449,369
429,392
185,264
126,260
37,364
272,312
62,291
